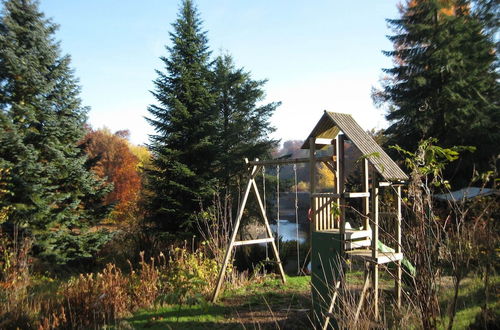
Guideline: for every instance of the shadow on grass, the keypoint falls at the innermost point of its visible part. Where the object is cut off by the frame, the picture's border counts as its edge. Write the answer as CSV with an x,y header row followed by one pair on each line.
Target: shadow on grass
x,y
181,317
266,305
470,300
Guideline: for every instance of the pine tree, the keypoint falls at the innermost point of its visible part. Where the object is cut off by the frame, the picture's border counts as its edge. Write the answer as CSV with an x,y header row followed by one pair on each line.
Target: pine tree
x,y
243,124
183,149
444,83
41,123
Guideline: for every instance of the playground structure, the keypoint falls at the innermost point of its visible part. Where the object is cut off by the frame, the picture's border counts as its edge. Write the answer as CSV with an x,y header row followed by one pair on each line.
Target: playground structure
x,y
333,241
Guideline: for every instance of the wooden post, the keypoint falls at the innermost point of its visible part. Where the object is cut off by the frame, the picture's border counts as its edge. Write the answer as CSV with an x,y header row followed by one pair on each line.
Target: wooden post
x,y
337,177
398,249
374,207
341,190
366,188
362,296
233,236
312,183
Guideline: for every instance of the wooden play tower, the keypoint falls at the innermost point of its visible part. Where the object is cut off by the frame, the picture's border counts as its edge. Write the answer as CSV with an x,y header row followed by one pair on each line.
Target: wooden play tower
x,y
332,242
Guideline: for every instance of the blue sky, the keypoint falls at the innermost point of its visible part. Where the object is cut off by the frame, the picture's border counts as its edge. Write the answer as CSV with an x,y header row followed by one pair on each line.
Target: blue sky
x,y
316,55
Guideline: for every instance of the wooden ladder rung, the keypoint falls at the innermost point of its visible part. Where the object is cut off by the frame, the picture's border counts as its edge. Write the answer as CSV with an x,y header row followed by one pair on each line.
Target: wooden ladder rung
x,y
254,241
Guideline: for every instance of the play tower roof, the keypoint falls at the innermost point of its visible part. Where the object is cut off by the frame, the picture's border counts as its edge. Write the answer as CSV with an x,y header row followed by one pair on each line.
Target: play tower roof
x,y
332,123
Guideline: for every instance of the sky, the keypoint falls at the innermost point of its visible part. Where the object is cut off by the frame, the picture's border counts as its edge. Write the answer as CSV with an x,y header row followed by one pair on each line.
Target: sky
x,y
316,55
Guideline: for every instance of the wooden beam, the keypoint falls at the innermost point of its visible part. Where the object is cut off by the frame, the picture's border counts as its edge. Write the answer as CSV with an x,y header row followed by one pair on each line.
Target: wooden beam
x,y
366,188
323,141
327,195
356,194
312,182
330,307
362,297
254,241
344,195
341,189
398,249
374,215
288,161
330,166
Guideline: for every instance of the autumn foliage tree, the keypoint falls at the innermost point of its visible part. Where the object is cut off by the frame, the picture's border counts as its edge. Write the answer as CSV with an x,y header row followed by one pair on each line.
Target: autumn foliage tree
x,y
117,163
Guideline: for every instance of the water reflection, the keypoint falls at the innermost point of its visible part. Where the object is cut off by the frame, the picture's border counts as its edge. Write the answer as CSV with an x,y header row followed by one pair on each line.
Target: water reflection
x,y
288,231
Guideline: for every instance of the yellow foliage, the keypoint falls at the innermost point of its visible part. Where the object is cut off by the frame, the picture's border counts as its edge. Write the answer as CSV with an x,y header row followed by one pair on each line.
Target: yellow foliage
x,y
142,153
302,186
326,178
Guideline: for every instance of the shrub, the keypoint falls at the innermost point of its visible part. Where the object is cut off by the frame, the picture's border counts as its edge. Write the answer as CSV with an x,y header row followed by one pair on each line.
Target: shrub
x,y
144,285
90,300
189,276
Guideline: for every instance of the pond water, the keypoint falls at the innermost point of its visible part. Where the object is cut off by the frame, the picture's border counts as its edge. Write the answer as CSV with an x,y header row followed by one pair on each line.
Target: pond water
x,y
288,231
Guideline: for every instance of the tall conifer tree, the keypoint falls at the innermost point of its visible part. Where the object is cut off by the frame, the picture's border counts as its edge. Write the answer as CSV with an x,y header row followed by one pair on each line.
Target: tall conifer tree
x,y
41,123
444,83
243,124
184,120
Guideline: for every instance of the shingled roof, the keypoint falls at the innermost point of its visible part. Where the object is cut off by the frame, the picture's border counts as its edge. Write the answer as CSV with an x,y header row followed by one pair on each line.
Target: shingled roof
x,y
329,126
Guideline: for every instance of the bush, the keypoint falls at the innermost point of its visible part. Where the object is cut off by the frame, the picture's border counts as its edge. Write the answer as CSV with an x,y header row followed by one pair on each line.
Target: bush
x,y
189,277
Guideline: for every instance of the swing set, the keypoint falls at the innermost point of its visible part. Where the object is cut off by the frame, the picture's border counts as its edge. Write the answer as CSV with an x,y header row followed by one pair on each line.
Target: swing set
x,y
332,241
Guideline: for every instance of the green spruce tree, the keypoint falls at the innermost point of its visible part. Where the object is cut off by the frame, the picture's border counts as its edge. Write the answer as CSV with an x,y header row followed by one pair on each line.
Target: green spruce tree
x,y
41,124
243,123
444,83
183,148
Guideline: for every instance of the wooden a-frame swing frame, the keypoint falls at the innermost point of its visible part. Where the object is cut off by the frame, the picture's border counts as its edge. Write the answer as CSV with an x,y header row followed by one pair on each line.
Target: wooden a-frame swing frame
x,y
256,166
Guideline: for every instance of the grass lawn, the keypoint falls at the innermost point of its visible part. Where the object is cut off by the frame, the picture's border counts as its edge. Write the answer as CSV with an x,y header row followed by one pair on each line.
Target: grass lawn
x,y
470,299
266,303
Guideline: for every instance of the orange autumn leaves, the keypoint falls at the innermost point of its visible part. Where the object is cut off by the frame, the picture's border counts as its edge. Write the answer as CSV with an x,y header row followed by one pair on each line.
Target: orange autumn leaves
x,y
119,162
449,7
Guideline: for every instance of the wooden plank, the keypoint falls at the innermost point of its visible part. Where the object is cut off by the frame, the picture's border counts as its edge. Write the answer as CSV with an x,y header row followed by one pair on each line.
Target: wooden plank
x,y
312,183
356,194
344,195
323,141
351,234
288,161
374,207
398,249
330,166
341,188
366,188
330,307
254,241
326,194
374,214
362,297
366,255
350,245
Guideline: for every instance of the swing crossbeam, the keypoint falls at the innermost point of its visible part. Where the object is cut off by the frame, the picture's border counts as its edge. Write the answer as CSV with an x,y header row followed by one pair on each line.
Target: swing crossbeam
x,y
254,241
344,195
289,161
